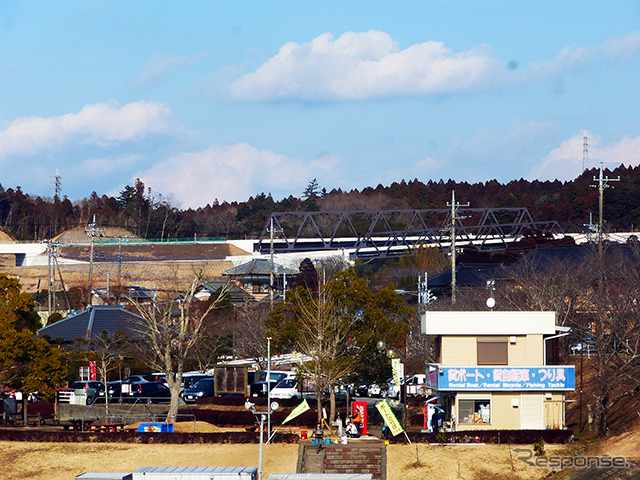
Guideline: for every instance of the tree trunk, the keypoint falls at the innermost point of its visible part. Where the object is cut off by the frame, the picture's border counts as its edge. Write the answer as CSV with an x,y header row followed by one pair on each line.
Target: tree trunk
x,y
600,414
332,403
174,388
320,400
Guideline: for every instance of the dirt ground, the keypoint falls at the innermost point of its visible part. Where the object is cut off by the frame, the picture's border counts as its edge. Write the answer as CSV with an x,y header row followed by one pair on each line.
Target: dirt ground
x,y
40,461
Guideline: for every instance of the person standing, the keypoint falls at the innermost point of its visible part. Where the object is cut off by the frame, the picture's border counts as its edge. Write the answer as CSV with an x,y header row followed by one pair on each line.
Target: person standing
x,y
318,434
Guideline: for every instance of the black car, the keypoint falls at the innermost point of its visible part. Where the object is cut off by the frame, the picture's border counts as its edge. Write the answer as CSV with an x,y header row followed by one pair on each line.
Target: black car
x,y
189,380
114,391
149,392
205,387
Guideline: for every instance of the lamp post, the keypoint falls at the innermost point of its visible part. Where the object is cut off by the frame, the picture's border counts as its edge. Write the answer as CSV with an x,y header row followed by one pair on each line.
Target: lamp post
x,y
263,415
269,387
382,348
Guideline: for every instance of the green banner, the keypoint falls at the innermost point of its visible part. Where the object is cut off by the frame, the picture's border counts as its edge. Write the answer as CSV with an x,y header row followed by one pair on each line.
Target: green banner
x,y
395,368
303,407
389,418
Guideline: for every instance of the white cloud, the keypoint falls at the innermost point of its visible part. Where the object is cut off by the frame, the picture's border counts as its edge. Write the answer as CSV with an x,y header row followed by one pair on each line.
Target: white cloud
x,y
624,47
101,124
156,67
363,65
233,173
565,162
357,66
97,167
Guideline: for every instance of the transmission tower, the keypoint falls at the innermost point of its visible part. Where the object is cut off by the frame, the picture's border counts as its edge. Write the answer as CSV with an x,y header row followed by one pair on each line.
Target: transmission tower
x,y
585,150
56,180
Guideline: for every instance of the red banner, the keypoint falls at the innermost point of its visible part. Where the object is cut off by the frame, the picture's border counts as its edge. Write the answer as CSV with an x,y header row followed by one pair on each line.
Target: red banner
x,y
360,416
92,370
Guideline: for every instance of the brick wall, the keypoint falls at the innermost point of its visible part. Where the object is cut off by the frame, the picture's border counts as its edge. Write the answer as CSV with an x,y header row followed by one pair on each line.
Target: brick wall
x,y
370,457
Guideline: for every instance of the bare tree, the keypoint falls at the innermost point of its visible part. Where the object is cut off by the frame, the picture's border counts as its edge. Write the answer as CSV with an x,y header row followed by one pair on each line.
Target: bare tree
x,y
540,283
324,332
171,329
597,296
614,327
250,331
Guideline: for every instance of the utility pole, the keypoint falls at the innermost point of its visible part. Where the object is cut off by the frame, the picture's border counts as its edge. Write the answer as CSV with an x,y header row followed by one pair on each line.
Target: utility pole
x,y
51,263
602,184
92,231
49,273
271,280
454,209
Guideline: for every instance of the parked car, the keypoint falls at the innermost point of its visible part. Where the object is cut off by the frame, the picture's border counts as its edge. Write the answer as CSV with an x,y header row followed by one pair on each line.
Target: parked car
x,y
148,392
139,378
259,389
91,389
393,391
416,385
286,388
361,390
113,390
205,387
374,390
585,345
190,379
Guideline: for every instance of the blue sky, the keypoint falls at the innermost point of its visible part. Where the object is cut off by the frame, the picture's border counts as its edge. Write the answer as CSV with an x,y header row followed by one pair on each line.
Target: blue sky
x,y
208,100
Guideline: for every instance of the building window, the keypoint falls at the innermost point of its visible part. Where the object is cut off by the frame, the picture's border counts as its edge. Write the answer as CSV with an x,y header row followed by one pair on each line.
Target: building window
x,y
474,411
492,351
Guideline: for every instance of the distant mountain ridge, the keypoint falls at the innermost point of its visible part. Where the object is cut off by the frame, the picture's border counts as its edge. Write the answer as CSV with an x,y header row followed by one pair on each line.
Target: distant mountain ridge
x,y
138,210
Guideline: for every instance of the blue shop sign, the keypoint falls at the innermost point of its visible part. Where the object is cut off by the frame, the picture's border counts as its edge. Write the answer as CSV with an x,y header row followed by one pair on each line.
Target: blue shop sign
x,y
501,378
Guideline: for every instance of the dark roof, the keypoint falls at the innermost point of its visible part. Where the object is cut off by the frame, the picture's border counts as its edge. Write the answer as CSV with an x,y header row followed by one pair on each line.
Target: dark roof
x,y
467,274
259,266
543,256
93,321
236,294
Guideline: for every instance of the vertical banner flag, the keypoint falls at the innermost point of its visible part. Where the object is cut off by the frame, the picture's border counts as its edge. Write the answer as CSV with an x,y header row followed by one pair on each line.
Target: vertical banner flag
x,y
92,370
395,368
300,409
389,418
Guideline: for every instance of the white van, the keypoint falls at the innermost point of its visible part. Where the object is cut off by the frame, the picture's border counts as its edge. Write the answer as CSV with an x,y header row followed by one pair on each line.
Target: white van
x,y
291,387
416,385
286,388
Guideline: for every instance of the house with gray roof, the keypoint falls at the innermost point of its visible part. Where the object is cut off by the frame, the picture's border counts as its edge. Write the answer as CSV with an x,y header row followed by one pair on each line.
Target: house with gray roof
x,y
92,322
254,277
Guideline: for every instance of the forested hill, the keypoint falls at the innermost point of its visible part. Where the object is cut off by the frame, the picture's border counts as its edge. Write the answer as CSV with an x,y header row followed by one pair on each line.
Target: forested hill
x,y
146,214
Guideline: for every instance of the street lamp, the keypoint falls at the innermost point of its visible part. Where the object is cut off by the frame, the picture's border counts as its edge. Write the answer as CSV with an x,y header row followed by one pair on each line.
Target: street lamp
x,y
382,348
263,415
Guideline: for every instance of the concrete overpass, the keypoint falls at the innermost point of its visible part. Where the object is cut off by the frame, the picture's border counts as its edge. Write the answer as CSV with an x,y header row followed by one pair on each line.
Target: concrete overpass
x,y
26,254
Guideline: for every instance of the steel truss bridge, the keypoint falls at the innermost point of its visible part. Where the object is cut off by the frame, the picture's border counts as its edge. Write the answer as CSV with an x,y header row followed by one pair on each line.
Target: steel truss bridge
x,y
398,232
